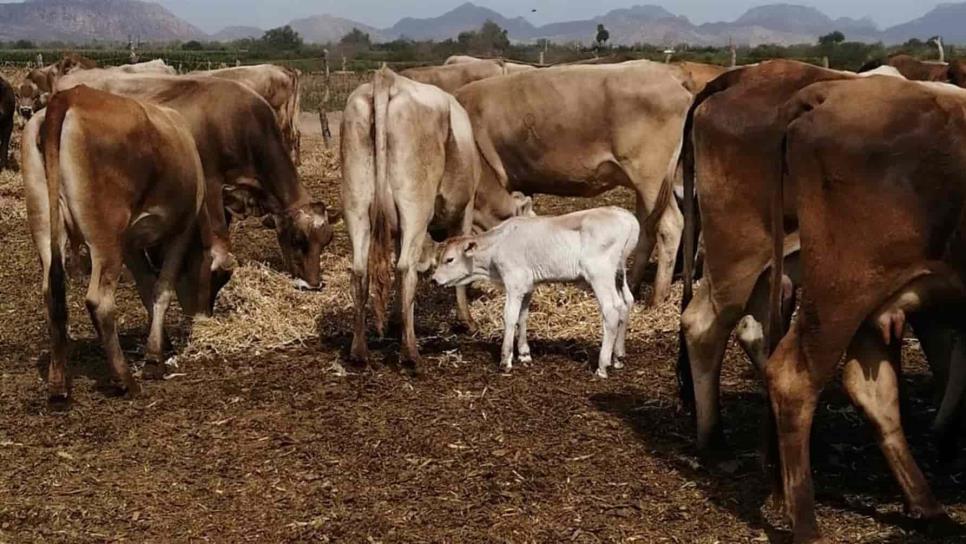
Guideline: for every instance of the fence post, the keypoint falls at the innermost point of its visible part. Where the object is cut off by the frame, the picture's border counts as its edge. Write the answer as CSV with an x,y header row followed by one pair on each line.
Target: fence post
x,y
825,62
323,117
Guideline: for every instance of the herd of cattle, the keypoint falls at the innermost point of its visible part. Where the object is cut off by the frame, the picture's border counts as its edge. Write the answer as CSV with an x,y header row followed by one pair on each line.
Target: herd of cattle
x,y
844,188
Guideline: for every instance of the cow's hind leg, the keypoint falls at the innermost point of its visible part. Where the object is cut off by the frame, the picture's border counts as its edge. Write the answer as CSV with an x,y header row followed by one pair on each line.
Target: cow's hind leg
x,y
793,389
105,272
705,330
412,234
361,238
872,382
164,291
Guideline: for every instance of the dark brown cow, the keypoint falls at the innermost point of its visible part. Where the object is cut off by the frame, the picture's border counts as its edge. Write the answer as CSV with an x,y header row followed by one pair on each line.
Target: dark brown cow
x,y
8,107
879,168
731,145
149,198
584,130
242,151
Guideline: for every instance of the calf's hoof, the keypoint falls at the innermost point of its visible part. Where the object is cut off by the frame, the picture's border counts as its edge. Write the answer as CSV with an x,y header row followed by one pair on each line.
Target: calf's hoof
x,y
525,358
506,367
601,373
618,363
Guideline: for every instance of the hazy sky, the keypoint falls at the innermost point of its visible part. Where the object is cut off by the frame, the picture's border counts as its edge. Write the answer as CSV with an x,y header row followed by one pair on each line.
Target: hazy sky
x,y
212,15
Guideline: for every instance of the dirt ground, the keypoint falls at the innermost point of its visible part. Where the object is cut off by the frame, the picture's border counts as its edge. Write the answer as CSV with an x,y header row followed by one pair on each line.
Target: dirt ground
x,y
284,446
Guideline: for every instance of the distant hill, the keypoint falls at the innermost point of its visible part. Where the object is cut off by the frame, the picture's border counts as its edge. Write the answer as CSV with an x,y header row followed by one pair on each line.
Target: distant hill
x,y
448,25
87,20
326,28
946,20
232,33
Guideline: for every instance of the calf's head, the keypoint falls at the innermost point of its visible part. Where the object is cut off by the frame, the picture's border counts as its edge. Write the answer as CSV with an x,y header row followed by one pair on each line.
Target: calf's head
x,y
457,265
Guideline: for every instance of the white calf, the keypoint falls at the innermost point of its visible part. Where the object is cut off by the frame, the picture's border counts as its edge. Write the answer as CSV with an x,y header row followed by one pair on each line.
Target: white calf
x,y
591,245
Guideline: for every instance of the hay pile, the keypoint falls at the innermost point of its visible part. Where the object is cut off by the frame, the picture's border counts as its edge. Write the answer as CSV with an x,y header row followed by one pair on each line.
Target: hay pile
x,y
260,310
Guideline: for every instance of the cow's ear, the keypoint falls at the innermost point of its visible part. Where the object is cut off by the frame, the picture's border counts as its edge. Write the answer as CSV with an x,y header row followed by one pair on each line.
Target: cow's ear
x,y
469,248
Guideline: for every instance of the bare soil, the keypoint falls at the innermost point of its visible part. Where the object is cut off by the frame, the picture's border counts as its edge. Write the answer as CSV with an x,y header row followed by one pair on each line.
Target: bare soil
x,y
284,446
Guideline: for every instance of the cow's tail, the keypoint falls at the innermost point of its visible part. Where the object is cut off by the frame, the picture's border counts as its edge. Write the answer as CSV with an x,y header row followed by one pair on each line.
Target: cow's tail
x,y
380,250
51,132
723,82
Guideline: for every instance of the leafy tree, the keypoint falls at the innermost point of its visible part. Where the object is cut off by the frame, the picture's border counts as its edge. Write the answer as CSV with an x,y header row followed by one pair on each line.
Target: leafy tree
x,y
193,45
282,38
24,44
602,35
356,38
489,39
832,38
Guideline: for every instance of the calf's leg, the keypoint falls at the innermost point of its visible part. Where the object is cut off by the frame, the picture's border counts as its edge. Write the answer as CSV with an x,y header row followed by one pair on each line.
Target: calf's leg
x,y
872,382
523,347
511,313
611,308
628,298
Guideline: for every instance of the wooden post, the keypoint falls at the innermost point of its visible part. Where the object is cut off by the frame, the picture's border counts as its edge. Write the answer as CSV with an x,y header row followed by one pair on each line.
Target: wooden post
x,y
343,63
825,62
323,117
541,57
734,52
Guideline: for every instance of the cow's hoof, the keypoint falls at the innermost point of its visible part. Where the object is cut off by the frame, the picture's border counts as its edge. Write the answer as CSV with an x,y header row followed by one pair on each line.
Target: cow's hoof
x,y
465,327
58,401
525,358
131,390
601,373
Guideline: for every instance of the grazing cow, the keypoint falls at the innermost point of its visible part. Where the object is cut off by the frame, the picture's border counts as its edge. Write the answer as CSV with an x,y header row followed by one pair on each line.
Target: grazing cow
x,y
281,88
246,164
591,245
880,202
583,130
731,144
450,77
124,177
8,107
409,165
156,66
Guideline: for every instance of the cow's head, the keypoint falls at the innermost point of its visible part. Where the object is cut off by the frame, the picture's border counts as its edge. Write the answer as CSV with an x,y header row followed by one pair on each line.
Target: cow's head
x,y
29,99
302,234
456,264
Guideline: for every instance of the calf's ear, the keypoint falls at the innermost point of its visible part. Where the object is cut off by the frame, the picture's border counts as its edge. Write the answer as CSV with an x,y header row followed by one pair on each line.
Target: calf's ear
x,y
469,248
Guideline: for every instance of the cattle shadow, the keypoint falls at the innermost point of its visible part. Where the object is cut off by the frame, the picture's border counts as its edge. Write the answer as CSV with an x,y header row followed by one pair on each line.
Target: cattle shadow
x,y
849,470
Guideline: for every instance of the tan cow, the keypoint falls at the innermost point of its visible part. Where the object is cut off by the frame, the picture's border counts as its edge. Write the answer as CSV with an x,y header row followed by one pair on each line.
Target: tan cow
x,y
146,200
450,77
35,90
409,166
583,130
156,66
281,88
242,151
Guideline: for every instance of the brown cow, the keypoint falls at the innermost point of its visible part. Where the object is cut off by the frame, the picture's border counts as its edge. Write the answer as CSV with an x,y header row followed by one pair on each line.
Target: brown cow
x,y
36,88
148,199
409,165
241,150
8,107
918,70
583,130
880,202
731,144
281,88
450,77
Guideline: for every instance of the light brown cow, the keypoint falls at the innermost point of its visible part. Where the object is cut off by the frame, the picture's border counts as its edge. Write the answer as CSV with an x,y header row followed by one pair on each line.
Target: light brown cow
x,y
281,87
583,130
242,151
410,166
450,77
882,240
148,199
35,90
156,66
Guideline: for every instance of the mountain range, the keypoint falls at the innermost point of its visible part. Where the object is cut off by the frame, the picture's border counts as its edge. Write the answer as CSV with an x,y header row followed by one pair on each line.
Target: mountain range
x,y
84,21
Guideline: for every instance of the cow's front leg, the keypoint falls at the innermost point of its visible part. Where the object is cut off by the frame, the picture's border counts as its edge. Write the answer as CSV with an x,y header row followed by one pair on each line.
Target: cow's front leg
x,y
523,347
511,313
